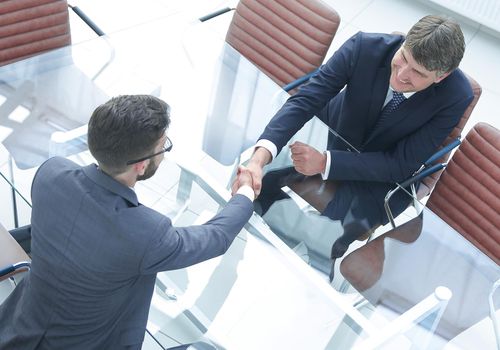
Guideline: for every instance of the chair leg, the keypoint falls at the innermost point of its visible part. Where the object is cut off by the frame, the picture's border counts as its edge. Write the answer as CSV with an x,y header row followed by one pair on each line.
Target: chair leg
x,y
493,315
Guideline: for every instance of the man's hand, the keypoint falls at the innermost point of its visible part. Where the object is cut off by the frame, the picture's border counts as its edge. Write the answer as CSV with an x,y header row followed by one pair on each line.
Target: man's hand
x,y
244,176
260,158
306,159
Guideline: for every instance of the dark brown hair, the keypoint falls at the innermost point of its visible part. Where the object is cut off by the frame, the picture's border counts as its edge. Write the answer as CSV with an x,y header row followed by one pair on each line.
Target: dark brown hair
x,y
126,127
437,43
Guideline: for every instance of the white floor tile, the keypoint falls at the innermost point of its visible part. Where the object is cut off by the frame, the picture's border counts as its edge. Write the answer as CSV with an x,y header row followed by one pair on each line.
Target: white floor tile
x,y
386,16
348,9
343,34
481,60
486,110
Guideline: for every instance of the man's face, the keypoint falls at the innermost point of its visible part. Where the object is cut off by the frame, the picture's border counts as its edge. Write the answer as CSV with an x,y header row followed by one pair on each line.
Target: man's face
x,y
154,162
409,76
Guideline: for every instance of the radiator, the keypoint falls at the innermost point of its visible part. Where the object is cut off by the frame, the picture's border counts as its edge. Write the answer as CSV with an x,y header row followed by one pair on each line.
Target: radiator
x,y
485,12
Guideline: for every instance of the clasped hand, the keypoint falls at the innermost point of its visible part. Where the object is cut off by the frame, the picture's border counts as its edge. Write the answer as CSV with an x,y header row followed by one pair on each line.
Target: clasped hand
x,y
306,159
243,177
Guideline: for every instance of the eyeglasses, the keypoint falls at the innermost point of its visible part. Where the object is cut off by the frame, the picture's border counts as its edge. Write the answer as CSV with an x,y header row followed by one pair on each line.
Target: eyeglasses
x,y
166,148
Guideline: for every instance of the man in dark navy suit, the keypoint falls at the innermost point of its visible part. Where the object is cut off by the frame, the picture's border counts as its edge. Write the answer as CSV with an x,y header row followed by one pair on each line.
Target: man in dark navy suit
x,y
394,99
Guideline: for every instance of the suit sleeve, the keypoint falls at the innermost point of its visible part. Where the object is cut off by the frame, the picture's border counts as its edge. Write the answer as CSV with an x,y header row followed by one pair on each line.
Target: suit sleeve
x,y
176,247
400,161
312,97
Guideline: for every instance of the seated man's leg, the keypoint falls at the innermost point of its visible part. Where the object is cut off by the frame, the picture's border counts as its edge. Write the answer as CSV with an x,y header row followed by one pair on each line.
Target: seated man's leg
x,y
271,191
23,236
360,207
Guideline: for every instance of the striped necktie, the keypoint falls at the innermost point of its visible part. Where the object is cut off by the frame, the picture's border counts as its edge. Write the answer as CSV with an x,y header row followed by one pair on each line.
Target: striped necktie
x,y
391,106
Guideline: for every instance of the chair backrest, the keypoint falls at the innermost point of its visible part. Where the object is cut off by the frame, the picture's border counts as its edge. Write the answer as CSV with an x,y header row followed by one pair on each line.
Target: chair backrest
x,y
10,252
429,182
30,27
285,39
467,195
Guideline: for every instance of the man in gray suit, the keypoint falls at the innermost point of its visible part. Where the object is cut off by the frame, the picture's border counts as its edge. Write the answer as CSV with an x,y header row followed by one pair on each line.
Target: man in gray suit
x,y
95,249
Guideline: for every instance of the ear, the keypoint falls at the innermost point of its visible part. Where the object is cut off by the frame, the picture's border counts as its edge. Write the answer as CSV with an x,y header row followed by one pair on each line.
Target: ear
x,y
140,167
441,77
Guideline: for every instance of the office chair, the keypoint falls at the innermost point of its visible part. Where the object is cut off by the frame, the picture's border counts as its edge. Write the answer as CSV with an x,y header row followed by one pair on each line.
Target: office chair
x,y
13,259
287,40
467,195
31,27
467,198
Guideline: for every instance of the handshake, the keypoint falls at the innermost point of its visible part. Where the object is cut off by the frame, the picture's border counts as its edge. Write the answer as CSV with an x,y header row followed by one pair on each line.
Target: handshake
x,y
248,176
306,160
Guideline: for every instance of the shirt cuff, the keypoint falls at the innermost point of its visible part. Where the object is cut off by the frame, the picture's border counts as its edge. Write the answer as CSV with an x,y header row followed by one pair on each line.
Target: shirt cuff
x,y
247,191
271,147
325,174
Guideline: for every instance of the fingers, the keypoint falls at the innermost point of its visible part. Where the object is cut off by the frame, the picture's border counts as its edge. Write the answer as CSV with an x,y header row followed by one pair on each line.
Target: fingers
x,y
256,172
244,176
307,160
235,186
251,176
299,148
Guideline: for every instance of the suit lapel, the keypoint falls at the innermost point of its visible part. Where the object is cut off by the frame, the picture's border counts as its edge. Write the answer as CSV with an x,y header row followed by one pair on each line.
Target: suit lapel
x,y
380,88
403,112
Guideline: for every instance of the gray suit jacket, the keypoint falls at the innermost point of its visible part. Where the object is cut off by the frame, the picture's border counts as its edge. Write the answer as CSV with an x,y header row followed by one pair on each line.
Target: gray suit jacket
x,y
96,251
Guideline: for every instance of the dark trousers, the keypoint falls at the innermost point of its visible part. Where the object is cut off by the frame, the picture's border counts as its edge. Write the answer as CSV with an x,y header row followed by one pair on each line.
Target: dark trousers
x,y
357,205
271,190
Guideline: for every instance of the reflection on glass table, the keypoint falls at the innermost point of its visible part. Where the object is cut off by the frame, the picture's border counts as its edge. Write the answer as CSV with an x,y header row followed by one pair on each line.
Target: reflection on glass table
x,y
301,214
261,283
48,93
399,268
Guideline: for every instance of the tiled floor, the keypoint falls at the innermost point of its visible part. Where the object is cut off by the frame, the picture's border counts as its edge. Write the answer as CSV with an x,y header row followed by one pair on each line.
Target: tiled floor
x,y
480,61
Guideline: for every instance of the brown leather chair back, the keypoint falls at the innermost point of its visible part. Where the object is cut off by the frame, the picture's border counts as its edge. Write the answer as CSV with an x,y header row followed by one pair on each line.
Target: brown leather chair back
x,y
430,181
30,27
285,39
467,196
10,252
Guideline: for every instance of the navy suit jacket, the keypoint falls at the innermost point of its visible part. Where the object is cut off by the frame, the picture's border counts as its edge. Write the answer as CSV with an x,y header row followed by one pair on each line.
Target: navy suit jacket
x,y
96,251
348,94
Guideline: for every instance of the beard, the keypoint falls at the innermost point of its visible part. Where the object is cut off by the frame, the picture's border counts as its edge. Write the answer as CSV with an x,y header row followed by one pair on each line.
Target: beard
x,y
150,171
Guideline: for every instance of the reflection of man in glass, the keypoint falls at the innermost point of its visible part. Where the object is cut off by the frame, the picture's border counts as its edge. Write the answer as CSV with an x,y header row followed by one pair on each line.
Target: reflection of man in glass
x,y
95,249
394,99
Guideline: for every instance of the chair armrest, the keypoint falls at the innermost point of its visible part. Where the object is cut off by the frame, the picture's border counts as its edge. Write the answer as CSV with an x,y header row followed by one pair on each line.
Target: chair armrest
x,y
12,258
413,179
493,315
419,176
10,270
215,14
425,170
456,142
86,19
296,83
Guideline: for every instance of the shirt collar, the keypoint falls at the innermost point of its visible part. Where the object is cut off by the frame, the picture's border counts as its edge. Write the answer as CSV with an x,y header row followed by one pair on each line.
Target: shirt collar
x,y
407,95
106,181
